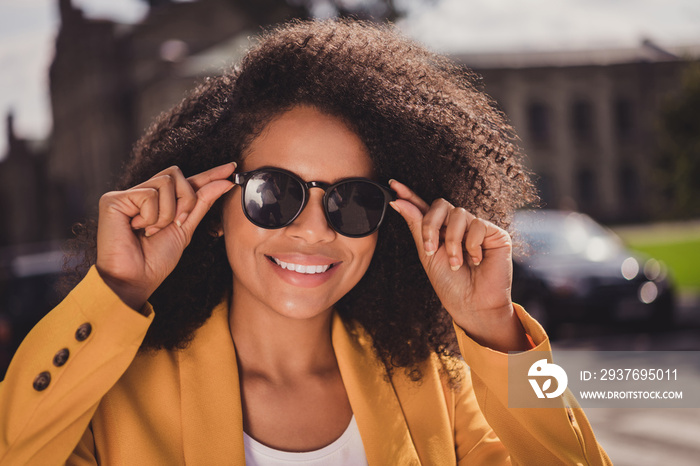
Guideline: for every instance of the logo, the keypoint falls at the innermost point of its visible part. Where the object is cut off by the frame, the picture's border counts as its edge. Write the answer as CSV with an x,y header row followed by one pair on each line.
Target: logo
x,y
542,368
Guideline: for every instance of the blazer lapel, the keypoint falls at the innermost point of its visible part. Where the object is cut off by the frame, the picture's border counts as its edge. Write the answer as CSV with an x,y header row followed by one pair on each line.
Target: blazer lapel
x,y
428,417
382,425
212,419
211,400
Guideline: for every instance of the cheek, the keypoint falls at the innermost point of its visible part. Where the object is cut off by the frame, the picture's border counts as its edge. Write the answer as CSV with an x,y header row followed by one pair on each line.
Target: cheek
x,y
239,234
363,251
234,221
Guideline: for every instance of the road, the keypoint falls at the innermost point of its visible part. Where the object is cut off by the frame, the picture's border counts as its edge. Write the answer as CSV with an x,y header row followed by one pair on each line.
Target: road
x,y
652,436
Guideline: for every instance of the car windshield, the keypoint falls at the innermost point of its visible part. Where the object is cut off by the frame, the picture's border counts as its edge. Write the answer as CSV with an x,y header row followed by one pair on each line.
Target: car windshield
x,y
565,233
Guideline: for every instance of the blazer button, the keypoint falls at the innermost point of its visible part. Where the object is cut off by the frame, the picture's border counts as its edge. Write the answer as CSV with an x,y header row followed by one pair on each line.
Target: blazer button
x,y
61,357
83,332
42,381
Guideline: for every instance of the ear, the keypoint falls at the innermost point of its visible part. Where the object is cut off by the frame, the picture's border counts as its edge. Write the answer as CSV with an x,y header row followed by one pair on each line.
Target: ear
x,y
214,221
215,229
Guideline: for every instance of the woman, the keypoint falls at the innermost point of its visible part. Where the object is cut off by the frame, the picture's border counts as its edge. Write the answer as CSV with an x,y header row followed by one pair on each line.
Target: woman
x,y
276,317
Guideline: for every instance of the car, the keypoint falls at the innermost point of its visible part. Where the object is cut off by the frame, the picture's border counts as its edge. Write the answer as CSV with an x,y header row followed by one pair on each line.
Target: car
x,y
569,268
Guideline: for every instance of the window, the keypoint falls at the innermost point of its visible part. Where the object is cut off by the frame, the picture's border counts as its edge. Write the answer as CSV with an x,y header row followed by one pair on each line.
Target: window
x,y
628,182
623,118
538,122
586,187
582,120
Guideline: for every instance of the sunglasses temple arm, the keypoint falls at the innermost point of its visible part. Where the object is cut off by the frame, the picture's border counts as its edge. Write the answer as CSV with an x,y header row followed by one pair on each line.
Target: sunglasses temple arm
x,y
238,178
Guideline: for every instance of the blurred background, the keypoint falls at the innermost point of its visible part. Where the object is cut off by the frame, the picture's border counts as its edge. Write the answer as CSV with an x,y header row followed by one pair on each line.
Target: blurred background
x,y
604,95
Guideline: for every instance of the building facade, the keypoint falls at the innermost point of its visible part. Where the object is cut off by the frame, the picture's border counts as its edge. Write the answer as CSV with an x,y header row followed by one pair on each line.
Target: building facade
x,y
587,121
108,81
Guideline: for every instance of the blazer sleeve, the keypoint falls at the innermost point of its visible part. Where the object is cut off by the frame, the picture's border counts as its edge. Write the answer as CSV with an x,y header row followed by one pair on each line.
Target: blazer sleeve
x,y
62,369
530,435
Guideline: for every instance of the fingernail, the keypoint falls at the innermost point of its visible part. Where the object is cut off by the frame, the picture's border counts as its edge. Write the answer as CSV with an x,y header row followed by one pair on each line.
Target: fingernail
x,y
391,181
394,206
454,263
181,219
235,165
429,247
476,261
150,231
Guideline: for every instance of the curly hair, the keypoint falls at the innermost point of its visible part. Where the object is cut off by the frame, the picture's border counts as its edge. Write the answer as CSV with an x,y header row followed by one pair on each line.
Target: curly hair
x,y
425,122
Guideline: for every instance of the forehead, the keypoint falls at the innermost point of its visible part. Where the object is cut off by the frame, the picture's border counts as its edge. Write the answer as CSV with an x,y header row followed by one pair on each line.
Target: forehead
x,y
312,144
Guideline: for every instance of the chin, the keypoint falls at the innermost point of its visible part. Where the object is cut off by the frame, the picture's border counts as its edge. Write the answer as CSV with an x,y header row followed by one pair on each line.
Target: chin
x,y
302,309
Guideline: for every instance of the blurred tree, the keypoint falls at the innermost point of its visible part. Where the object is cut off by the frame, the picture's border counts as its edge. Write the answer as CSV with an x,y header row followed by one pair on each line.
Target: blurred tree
x,y
679,143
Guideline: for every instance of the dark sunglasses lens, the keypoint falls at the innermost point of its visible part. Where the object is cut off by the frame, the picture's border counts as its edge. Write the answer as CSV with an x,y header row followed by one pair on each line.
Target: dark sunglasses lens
x,y
355,208
272,199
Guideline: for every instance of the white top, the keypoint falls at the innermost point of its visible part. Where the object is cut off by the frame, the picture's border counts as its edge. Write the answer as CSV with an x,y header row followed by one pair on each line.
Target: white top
x,y
347,450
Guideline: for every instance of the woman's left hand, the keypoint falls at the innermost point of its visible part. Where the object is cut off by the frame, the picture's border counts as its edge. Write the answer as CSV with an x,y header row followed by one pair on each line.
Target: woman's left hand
x,y
469,263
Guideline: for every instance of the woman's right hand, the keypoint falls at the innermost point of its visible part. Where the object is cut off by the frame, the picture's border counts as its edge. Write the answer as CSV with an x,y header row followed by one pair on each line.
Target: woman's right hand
x,y
143,231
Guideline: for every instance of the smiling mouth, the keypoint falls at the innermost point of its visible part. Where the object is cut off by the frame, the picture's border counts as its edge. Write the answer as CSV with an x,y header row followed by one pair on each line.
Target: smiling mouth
x,y
298,268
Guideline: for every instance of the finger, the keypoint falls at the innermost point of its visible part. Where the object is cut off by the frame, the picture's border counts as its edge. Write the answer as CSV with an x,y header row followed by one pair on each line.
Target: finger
x,y
454,236
166,197
404,192
433,221
184,196
199,181
136,202
213,174
414,219
206,196
141,204
478,229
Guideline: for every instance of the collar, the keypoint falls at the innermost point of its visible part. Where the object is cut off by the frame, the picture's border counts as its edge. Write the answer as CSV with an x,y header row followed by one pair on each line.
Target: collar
x,y
211,398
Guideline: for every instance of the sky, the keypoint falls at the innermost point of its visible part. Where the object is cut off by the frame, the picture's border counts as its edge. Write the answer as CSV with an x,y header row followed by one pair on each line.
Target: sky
x,y
28,28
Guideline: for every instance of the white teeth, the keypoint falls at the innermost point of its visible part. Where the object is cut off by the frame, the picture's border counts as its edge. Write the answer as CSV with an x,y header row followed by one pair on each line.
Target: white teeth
x,y
307,269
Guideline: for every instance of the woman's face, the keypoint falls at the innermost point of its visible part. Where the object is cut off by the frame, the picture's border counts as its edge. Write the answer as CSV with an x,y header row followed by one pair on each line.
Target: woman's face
x,y
317,147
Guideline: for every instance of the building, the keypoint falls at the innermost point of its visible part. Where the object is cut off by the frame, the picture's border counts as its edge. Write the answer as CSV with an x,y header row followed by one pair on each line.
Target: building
x,y
587,121
108,81
23,189
586,118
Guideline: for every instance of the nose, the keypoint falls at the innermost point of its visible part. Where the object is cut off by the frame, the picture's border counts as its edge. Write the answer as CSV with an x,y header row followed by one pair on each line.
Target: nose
x,y
311,224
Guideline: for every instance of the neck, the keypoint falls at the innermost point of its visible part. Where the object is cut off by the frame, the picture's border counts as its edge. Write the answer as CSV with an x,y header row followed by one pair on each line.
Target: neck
x,y
277,347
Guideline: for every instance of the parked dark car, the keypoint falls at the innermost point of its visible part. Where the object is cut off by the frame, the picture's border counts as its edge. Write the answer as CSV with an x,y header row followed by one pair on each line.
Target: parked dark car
x,y
569,268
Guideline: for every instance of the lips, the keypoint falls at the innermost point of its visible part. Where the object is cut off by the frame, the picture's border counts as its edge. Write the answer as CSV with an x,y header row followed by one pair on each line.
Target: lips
x,y
301,268
303,264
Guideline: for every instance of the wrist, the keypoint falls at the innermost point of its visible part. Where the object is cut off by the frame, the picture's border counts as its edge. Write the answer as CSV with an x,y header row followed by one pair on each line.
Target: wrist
x,y
129,294
498,328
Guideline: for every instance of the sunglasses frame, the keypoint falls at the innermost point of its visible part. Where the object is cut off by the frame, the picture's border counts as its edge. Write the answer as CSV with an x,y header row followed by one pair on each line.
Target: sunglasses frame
x,y
241,179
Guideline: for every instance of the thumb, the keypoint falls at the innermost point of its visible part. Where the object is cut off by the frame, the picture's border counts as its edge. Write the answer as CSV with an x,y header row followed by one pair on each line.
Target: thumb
x,y
206,196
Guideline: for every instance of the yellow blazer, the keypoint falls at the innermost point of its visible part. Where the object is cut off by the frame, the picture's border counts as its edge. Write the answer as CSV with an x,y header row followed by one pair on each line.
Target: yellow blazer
x,y
108,403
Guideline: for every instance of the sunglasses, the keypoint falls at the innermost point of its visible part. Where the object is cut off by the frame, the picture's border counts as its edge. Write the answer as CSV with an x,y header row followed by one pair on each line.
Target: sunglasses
x,y
273,198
